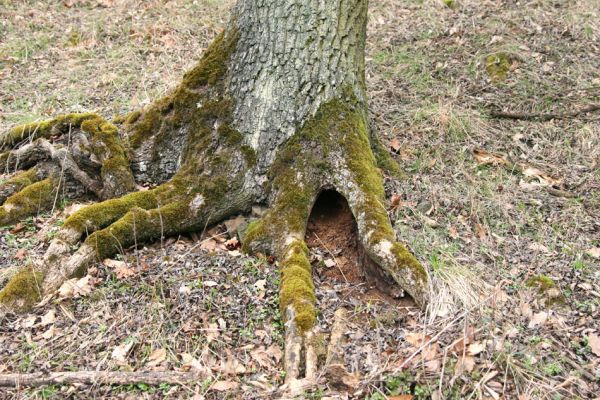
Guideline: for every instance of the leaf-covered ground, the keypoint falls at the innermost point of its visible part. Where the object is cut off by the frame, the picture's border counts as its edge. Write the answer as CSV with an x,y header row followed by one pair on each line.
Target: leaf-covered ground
x,y
505,213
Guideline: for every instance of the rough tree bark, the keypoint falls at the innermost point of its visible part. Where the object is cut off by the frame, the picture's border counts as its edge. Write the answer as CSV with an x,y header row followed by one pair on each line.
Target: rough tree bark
x,y
274,113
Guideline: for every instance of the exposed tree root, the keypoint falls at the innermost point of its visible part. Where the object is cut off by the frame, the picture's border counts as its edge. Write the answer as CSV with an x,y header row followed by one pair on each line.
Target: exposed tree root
x,y
32,199
97,378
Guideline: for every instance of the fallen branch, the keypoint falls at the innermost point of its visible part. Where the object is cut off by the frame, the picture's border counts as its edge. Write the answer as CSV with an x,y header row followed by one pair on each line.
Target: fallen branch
x,y
96,377
544,117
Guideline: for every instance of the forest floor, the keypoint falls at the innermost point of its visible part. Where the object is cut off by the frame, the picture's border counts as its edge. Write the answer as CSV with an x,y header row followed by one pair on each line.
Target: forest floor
x,y
504,212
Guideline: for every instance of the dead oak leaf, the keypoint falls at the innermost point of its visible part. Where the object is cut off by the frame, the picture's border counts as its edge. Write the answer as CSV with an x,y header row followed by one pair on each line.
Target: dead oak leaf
x,y
475,348
486,158
49,334
594,342
74,288
120,352
538,319
261,356
20,254
416,339
224,386
593,252
48,318
122,270
156,357
465,364
189,362
230,365
543,178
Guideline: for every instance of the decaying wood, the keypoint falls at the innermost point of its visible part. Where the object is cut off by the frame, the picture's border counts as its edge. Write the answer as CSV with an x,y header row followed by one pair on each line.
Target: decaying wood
x,y
97,377
335,370
541,117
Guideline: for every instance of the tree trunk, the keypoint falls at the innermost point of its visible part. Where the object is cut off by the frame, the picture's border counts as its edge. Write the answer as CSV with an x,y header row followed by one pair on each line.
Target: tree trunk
x,y
274,113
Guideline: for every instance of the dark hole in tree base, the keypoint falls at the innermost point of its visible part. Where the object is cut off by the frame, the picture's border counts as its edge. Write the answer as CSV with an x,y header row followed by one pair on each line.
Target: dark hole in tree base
x,y
337,255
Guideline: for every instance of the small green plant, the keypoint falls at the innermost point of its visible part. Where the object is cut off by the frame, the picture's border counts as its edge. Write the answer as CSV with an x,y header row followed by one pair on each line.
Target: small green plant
x,y
552,369
450,3
376,396
535,339
579,265
48,392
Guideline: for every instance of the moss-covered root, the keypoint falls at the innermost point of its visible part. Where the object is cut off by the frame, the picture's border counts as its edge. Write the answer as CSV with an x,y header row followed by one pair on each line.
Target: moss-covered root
x,y
18,182
117,178
297,300
100,215
379,243
58,261
136,226
22,291
281,231
45,129
33,199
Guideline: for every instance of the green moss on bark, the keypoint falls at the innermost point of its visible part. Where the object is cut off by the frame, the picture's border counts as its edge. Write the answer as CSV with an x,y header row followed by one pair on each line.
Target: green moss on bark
x,y
297,289
20,181
23,290
33,199
190,103
107,146
43,129
100,215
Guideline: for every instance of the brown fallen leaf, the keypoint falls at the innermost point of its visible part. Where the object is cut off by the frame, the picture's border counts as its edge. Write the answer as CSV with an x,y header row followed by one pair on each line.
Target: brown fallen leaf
x,y
481,232
396,202
395,145
120,352
594,342
542,177
475,348
188,362
401,397
416,339
230,365
593,252
17,228
430,352
223,386
48,318
49,334
261,356
486,158
465,364
121,269
76,288
433,365
29,321
21,254
538,319
232,244
275,352
156,357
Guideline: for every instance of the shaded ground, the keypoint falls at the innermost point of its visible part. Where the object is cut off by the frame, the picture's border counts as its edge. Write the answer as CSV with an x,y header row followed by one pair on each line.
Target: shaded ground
x,y
512,249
